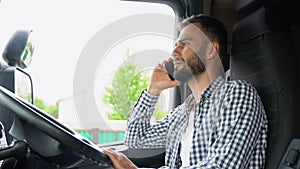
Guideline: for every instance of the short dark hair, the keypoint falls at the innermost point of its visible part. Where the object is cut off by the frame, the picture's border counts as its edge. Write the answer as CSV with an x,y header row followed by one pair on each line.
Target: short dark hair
x,y
212,28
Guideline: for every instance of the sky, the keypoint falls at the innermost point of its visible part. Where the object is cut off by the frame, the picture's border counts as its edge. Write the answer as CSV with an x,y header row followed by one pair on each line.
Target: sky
x,y
62,28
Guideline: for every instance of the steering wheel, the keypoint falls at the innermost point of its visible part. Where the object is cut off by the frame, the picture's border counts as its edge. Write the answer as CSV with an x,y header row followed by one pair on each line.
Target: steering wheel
x,y
48,138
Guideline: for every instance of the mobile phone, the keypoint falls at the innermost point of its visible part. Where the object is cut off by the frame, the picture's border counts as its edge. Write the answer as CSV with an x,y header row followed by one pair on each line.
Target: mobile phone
x,y
170,69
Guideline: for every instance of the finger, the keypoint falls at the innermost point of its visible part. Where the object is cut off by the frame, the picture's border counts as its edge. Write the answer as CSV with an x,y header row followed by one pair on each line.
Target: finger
x,y
164,62
109,151
119,160
125,162
164,65
174,83
122,158
170,59
114,157
111,154
160,66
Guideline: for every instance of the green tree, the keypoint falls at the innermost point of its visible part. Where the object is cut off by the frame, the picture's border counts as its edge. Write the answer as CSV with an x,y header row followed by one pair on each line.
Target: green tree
x,y
158,114
50,109
127,84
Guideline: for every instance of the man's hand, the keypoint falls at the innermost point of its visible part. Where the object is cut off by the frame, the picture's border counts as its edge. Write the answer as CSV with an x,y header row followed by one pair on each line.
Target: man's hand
x,y
160,80
119,160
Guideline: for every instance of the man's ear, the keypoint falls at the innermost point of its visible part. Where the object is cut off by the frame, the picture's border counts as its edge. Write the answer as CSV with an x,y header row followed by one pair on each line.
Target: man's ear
x,y
213,50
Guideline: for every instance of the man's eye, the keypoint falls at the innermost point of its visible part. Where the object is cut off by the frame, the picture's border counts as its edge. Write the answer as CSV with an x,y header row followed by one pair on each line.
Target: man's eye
x,y
185,43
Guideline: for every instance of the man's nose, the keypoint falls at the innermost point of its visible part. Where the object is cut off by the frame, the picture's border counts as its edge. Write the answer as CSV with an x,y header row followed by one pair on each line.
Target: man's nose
x,y
177,50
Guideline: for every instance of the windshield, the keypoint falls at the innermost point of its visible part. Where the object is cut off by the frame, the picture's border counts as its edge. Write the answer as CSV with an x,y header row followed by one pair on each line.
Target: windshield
x,y
82,49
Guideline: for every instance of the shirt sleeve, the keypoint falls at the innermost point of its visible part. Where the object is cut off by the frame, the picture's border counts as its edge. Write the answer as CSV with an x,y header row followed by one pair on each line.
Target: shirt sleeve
x,y
241,129
140,133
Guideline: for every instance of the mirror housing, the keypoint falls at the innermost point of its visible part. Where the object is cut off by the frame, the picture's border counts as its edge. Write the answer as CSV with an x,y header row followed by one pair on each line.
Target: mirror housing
x,y
19,49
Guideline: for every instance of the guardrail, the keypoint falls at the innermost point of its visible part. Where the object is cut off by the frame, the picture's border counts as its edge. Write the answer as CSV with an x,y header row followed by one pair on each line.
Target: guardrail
x,y
102,136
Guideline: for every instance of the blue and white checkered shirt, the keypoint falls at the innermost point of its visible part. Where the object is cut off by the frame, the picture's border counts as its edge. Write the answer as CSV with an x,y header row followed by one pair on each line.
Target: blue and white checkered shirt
x,y
230,128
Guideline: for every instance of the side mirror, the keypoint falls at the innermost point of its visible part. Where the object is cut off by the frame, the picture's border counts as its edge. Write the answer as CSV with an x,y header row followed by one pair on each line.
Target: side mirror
x,y
19,49
18,55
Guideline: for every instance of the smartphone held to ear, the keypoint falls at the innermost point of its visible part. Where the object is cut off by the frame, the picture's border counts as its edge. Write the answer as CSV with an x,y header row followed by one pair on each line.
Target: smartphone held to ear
x,y
170,69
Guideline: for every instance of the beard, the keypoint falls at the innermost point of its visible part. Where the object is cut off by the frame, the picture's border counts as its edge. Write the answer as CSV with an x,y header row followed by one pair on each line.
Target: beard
x,y
190,68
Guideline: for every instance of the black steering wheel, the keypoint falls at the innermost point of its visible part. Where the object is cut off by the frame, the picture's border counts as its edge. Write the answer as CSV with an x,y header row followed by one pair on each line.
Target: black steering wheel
x,y
48,138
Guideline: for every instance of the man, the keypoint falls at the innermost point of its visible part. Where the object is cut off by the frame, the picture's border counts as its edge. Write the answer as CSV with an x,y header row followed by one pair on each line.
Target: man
x,y
222,124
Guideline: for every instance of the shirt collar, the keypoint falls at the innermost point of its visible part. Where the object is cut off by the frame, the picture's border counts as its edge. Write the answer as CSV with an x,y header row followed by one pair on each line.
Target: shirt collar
x,y
209,91
213,87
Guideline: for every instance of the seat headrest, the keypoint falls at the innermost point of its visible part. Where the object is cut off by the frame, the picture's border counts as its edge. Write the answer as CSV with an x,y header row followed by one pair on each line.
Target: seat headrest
x,y
247,6
258,23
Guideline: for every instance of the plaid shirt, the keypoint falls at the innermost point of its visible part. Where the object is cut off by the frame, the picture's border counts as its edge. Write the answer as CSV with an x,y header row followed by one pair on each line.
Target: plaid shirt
x,y
230,127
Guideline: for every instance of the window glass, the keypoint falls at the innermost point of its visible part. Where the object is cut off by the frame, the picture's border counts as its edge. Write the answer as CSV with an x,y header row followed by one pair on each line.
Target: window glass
x,y
80,46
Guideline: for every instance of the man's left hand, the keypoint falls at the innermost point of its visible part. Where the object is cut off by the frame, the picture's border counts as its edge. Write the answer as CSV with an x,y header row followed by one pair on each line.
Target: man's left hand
x,y
119,160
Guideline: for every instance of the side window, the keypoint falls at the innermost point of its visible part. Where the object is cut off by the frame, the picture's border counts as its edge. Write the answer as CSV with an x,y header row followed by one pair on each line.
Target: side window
x,y
93,58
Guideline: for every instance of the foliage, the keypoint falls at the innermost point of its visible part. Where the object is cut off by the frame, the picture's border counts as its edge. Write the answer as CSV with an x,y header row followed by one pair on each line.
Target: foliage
x,y
158,115
125,89
50,109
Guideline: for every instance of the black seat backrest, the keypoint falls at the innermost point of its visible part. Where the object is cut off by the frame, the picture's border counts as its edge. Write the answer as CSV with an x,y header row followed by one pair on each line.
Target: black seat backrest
x,y
263,54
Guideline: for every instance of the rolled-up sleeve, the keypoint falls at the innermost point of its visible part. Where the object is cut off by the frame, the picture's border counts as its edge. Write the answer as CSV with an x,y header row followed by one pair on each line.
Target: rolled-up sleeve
x,y
140,133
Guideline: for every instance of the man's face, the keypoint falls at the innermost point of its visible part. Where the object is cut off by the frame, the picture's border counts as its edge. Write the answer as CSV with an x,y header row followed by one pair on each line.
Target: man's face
x,y
189,53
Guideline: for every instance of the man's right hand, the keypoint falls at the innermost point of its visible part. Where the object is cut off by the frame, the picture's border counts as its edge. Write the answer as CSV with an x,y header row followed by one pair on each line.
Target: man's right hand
x,y
160,80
